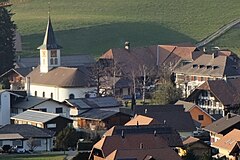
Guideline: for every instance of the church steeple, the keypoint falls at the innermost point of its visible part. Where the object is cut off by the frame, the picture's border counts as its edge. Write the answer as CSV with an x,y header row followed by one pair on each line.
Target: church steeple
x,y
49,39
49,50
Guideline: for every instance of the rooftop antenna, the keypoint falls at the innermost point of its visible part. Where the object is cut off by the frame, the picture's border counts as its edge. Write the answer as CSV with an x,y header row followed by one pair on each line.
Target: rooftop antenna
x,y
49,7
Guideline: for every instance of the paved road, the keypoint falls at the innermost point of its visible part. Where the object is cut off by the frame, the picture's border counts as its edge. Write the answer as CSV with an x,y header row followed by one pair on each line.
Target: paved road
x,y
71,154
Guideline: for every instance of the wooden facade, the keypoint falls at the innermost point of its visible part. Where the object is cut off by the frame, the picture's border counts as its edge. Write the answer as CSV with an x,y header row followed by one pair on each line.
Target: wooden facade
x,y
97,124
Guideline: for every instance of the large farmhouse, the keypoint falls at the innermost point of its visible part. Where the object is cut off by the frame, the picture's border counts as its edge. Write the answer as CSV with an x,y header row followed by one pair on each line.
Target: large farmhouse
x,y
219,65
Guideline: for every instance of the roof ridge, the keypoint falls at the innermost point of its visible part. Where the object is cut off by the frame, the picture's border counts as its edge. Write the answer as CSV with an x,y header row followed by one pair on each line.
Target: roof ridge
x,y
43,112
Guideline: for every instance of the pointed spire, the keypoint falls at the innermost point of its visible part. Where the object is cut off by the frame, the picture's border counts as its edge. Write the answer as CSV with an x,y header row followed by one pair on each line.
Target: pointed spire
x,y
49,39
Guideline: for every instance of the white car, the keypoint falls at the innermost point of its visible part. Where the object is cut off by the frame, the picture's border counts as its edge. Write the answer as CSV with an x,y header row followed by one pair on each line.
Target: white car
x,y
19,149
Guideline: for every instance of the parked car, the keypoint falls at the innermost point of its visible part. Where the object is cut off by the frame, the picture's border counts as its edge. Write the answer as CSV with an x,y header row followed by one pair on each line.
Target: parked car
x,y
19,149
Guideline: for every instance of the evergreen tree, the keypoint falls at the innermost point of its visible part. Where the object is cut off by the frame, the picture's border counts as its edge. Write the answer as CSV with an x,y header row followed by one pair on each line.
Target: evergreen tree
x,y
166,93
67,138
7,34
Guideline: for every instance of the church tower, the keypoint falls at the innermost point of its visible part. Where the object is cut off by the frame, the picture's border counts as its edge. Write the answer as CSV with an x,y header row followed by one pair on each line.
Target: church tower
x,y
49,50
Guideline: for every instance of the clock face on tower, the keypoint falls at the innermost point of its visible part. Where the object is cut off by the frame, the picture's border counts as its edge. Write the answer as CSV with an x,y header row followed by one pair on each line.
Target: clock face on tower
x,y
43,53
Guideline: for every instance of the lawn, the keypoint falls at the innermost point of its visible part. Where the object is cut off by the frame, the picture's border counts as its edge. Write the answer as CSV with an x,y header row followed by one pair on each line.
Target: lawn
x,y
95,26
32,157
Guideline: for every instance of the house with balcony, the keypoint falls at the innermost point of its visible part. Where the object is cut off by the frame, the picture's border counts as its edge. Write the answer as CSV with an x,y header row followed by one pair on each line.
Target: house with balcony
x,y
217,96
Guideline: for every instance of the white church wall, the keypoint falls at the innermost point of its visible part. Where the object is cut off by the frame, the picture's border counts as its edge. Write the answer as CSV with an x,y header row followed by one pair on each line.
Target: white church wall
x,y
58,94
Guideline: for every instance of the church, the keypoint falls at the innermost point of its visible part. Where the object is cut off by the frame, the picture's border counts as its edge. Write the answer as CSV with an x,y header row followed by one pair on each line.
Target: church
x,y
51,80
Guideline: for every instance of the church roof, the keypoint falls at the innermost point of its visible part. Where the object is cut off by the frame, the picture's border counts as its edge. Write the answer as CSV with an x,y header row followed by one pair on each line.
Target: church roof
x,y
49,39
61,77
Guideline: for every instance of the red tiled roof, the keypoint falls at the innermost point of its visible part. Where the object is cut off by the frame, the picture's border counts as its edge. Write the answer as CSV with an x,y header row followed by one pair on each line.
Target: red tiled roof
x,y
229,141
139,56
141,120
134,145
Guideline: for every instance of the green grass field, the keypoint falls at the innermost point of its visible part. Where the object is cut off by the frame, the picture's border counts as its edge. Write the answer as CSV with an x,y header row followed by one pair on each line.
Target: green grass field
x,y
230,40
93,27
32,157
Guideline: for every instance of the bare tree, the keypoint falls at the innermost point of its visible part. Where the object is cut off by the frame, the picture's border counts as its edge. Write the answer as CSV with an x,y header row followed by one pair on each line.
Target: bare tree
x,y
97,72
147,76
31,143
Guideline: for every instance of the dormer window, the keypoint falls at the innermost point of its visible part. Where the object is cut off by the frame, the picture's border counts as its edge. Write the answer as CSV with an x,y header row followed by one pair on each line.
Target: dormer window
x,y
201,66
195,66
209,67
215,67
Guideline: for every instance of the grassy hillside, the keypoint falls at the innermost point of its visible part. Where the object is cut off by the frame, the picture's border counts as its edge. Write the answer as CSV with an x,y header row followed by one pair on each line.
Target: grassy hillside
x,y
94,26
230,40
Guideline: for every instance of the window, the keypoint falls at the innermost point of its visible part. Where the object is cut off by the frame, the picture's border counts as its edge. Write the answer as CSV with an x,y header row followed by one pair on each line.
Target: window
x,y
51,125
51,61
14,110
1,143
54,53
56,61
200,117
35,93
43,109
195,78
59,110
51,95
17,143
71,96
43,94
204,93
37,142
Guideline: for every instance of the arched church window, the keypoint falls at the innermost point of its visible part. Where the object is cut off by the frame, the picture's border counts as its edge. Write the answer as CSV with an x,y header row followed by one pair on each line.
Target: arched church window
x,y
51,95
51,61
56,60
43,94
35,93
71,96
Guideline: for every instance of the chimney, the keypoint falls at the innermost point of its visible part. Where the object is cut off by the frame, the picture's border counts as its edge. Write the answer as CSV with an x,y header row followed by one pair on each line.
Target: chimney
x,y
228,116
214,55
155,133
122,134
141,146
164,121
28,86
204,49
127,46
145,111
